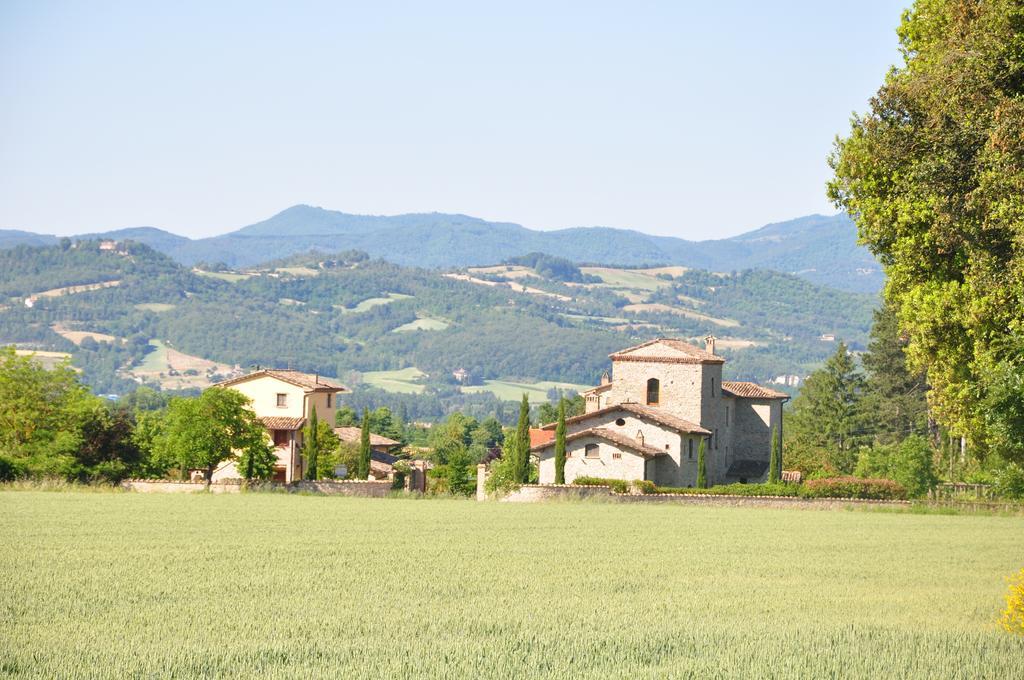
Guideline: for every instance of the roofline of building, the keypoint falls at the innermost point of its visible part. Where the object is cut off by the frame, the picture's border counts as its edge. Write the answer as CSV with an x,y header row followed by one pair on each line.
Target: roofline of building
x,y
637,410
622,354
609,436
272,373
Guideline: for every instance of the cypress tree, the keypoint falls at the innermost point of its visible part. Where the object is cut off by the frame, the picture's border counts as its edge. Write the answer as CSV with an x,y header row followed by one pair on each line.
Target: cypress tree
x,y
312,446
702,472
775,465
364,447
560,444
250,467
522,450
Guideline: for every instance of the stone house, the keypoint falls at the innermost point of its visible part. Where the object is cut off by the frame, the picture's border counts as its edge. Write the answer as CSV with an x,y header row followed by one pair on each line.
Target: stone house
x,y
647,418
284,400
382,450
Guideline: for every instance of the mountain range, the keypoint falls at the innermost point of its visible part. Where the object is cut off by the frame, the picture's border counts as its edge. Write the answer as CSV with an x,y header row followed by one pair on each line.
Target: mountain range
x,y
822,249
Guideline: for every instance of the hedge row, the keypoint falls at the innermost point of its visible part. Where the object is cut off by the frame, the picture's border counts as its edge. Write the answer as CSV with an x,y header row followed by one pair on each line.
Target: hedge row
x,y
617,485
854,487
836,487
733,490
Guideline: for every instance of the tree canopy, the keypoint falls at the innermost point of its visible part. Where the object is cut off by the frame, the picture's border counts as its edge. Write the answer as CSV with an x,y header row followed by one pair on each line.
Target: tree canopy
x,y
933,174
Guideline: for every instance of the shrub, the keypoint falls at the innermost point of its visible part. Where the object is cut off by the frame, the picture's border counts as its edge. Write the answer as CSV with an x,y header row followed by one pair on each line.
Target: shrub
x,y
1013,616
1010,481
854,487
909,463
645,486
617,485
10,469
735,490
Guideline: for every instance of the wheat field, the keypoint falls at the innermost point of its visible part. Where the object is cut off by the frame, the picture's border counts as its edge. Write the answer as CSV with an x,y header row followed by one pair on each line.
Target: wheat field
x,y
273,585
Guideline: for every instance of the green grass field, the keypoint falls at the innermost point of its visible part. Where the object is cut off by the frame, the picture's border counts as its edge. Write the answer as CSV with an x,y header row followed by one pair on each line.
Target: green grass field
x,y
154,361
402,380
626,278
273,585
369,303
155,307
230,277
424,324
513,391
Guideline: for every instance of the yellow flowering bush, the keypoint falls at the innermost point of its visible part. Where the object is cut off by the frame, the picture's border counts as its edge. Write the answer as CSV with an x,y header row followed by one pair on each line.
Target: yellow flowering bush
x,y
1013,617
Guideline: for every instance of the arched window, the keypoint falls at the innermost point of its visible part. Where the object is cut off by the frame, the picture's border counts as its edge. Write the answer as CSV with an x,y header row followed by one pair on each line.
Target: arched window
x,y
653,392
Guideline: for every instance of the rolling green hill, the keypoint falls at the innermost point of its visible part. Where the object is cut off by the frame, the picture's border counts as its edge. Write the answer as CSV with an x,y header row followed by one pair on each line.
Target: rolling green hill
x,y
405,328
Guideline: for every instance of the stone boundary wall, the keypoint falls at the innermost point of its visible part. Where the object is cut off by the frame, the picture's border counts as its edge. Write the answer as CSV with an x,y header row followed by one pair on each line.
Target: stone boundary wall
x,y
344,487
532,493
171,486
348,487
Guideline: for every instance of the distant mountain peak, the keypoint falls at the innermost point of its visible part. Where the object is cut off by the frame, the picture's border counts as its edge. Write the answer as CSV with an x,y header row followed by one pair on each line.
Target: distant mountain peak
x,y
820,248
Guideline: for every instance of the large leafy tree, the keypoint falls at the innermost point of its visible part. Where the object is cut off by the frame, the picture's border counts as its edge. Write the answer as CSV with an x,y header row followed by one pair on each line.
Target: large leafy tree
x,y
203,432
933,174
50,425
894,397
824,424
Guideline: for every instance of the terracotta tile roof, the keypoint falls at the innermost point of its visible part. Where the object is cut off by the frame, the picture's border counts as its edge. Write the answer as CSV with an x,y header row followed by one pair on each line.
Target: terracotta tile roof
x,y
540,436
353,434
691,354
310,382
612,436
657,415
383,458
282,423
751,390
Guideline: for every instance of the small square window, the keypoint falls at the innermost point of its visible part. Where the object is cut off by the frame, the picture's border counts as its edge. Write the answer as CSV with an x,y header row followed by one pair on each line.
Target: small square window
x,y
592,451
616,455
282,400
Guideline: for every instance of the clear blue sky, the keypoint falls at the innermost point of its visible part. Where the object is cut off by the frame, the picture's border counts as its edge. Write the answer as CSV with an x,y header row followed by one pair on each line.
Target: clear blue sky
x,y
698,120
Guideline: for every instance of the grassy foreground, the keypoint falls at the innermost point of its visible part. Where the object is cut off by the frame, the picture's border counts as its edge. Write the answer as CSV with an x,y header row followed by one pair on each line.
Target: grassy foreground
x,y
123,585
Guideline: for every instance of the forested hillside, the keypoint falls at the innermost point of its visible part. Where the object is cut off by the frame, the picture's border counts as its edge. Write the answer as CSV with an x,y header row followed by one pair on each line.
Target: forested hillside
x,y
821,249
133,315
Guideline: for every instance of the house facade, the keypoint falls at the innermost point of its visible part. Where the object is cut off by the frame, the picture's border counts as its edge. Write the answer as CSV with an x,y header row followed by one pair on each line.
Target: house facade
x,y
647,418
284,400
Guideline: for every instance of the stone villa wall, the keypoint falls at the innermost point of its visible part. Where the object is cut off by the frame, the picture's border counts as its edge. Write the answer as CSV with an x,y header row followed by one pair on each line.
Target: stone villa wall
x,y
170,486
344,487
347,487
532,493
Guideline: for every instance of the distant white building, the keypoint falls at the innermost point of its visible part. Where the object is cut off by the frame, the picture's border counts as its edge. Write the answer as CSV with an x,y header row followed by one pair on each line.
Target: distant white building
x,y
787,380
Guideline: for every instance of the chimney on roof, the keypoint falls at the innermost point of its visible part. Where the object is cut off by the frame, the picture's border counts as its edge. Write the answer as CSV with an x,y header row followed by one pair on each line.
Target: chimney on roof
x,y
709,344
316,377
605,378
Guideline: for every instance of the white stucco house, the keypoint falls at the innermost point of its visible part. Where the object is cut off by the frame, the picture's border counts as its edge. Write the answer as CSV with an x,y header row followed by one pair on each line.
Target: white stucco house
x,y
283,401
647,418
